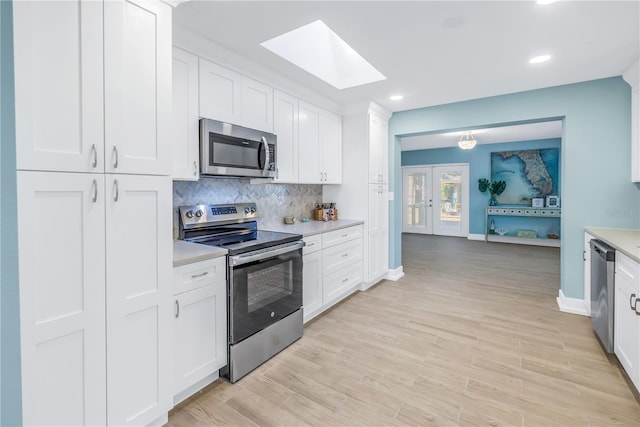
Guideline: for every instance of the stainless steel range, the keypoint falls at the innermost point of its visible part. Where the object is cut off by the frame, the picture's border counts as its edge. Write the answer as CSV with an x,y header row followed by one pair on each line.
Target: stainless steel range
x,y
264,281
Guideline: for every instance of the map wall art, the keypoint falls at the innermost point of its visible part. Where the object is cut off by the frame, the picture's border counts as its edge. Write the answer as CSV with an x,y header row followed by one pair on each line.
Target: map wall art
x,y
528,174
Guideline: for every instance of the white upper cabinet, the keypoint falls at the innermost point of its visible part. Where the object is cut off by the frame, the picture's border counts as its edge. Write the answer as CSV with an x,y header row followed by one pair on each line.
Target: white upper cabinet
x,y
62,286
185,136
320,146
220,94
285,126
230,97
632,76
257,105
58,84
137,64
310,165
138,299
331,147
378,149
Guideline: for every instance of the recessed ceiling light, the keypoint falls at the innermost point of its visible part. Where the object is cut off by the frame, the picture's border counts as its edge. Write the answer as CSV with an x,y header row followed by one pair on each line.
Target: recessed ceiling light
x,y
543,2
396,97
318,50
539,59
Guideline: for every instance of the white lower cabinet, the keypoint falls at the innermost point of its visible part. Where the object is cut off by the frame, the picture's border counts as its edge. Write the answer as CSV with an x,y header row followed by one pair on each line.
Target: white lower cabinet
x,y
627,316
332,268
62,307
89,270
312,276
138,298
199,325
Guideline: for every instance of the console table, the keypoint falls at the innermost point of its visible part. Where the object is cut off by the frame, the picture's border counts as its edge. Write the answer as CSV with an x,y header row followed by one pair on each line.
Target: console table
x,y
496,211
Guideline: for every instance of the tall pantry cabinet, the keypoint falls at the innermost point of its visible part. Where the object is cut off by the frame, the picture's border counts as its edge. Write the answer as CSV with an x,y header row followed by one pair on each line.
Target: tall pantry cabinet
x,y
364,192
93,103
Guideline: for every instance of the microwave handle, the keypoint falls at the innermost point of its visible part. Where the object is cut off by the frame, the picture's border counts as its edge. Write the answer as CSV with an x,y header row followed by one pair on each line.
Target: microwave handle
x,y
265,144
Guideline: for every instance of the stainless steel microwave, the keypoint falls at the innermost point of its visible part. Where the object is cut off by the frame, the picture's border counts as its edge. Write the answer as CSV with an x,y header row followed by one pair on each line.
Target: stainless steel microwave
x,y
232,150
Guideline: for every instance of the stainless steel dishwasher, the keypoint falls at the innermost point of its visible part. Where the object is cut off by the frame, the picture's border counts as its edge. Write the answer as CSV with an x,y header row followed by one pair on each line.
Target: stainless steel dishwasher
x,y
602,298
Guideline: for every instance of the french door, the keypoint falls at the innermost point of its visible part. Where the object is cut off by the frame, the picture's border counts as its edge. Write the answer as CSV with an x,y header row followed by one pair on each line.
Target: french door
x,y
436,199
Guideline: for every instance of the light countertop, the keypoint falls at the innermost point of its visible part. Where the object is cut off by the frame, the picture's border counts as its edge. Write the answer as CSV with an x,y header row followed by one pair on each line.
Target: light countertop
x,y
187,252
313,227
624,240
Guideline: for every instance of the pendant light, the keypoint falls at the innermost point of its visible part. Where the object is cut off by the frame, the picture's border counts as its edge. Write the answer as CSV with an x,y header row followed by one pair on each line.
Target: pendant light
x,y
467,141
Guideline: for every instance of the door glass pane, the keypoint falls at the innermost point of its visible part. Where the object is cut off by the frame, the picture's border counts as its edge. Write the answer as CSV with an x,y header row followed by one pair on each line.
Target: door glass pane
x,y
450,198
416,195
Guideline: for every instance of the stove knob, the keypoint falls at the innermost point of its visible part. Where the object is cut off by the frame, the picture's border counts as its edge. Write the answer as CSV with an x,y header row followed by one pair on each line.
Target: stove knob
x,y
246,211
198,213
189,214
253,209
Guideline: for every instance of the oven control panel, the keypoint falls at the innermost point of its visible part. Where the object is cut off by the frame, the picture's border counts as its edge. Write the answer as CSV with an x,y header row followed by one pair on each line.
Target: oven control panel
x,y
200,215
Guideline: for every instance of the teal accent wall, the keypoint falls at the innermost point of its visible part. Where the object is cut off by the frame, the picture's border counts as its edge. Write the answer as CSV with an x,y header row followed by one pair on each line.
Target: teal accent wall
x,y
595,155
10,384
480,167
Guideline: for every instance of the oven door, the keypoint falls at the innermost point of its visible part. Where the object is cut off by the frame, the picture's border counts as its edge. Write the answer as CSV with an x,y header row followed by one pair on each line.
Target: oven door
x,y
264,287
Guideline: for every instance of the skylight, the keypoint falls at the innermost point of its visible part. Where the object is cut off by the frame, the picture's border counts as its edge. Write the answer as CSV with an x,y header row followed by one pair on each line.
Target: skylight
x,y
318,50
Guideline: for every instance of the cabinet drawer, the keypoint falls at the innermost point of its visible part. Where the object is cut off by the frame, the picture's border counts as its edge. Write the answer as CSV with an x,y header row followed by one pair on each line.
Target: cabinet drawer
x,y
198,274
336,284
336,237
341,256
628,268
312,244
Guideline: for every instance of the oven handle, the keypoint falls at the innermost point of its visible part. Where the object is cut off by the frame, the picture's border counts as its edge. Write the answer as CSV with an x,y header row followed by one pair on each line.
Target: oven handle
x,y
261,255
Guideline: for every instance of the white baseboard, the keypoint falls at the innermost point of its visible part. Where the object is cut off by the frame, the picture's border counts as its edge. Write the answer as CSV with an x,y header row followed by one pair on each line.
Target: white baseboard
x,y
395,274
571,305
475,237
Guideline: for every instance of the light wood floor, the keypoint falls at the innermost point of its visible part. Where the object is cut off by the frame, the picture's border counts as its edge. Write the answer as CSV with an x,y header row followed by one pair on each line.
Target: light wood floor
x,y
470,336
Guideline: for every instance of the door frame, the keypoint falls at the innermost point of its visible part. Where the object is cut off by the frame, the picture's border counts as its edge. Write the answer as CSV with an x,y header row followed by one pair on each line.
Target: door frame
x,y
430,228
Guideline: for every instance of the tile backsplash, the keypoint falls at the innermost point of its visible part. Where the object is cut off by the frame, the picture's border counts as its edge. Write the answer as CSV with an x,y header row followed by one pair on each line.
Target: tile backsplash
x,y
274,201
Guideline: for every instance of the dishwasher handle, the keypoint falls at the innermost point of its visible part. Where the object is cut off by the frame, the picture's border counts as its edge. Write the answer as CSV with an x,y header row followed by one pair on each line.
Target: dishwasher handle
x,y
601,249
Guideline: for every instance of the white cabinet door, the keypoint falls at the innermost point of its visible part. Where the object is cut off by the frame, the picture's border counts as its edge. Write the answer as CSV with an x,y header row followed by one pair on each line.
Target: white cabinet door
x,y
138,254
627,328
58,85
378,257
257,105
62,286
185,139
311,284
586,257
331,147
137,84
220,93
199,334
309,159
378,150
285,124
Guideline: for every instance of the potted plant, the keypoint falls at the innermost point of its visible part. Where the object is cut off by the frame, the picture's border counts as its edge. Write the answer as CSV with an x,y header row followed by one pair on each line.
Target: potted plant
x,y
495,189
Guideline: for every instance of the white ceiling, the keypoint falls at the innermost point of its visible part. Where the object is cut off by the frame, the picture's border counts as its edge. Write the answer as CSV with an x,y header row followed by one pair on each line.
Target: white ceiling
x,y
436,52
495,135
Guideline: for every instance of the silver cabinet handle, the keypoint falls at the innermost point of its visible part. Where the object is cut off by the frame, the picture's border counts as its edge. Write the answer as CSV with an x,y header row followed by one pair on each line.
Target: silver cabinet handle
x,y
325,177
195,168
320,176
115,157
633,301
94,151
196,276
115,186
177,309
95,191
